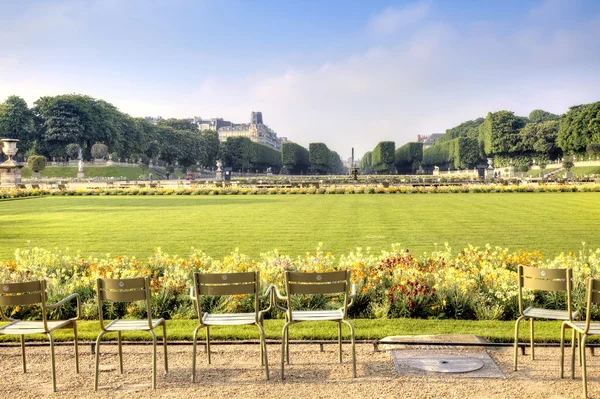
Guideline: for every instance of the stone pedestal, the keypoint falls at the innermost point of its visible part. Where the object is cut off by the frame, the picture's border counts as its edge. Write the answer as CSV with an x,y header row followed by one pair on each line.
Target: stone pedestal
x,y
80,175
10,177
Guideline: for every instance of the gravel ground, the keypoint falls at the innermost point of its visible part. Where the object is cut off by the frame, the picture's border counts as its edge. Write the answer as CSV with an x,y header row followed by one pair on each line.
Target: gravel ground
x,y
236,373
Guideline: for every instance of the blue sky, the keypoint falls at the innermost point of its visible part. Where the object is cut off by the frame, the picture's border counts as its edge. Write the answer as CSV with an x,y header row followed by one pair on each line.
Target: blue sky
x,y
348,73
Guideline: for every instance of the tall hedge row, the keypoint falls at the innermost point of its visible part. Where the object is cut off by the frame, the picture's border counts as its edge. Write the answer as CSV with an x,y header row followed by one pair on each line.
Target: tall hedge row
x,y
408,157
241,153
460,153
365,164
264,157
336,166
295,157
383,157
319,157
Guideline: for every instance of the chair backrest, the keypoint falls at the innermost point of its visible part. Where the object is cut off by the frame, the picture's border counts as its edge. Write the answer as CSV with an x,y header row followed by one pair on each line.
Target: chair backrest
x,y
593,297
309,283
222,284
535,278
123,290
23,294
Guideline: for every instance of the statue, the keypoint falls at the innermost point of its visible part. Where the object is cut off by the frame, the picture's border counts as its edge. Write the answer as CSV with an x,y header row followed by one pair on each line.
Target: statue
x,y
219,175
80,173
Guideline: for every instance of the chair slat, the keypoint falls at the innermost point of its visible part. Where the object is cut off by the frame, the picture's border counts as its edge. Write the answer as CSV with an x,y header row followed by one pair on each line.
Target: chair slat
x,y
546,285
231,289
550,274
226,278
123,283
14,288
595,297
326,277
596,284
21,300
124,296
329,288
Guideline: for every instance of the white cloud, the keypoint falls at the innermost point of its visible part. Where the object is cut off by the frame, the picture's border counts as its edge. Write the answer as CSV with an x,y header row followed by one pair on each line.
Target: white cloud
x,y
393,19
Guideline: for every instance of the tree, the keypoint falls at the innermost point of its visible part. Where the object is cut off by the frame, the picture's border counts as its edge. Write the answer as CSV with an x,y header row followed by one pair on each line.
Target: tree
x,y
593,150
59,124
465,129
501,133
540,138
577,128
539,115
365,165
383,157
36,163
295,158
210,143
72,150
568,163
178,124
408,158
99,150
16,122
319,158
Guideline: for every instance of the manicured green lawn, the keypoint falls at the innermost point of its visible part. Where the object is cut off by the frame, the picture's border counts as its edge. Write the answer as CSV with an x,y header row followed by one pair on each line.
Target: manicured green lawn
x,y
181,330
91,171
294,224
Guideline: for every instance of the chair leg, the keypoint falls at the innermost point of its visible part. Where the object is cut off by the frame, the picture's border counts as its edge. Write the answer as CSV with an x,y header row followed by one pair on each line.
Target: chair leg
x,y
97,369
340,340
153,359
574,339
517,340
23,353
583,366
284,344
208,344
194,352
532,339
287,345
165,347
76,346
562,350
263,350
120,351
52,361
353,347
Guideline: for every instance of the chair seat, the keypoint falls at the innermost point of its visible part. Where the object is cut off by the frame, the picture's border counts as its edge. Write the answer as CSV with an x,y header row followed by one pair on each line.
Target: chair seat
x,y
316,315
539,313
228,319
580,325
132,325
20,327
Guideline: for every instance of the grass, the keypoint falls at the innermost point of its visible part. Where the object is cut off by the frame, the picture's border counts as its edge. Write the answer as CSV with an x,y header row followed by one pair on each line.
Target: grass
x,y
130,173
549,222
586,170
181,330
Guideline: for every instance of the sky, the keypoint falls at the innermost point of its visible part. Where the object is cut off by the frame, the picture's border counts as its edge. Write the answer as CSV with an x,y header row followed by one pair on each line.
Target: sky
x,y
346,73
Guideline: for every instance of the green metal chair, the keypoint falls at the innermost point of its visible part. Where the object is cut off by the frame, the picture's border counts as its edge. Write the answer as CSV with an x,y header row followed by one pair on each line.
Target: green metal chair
x,y
220,284
582,329
316,284
128,290
33,293
547,280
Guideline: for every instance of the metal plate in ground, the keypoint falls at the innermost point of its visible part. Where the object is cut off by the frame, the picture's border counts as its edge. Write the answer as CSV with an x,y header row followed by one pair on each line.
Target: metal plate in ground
x,y
401,358
446,364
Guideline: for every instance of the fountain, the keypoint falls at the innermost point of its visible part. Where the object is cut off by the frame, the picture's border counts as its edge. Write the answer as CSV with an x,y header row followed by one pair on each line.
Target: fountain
x,y
10,170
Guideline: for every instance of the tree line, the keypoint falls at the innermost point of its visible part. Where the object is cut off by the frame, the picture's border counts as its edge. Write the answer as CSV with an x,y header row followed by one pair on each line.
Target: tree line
x,y
64,126
514,140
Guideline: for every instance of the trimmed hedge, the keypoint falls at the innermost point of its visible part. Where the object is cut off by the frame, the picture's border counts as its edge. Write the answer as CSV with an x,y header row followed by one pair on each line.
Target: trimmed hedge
x,y
365,163
319,157
460,153
336,166
383,157
295,158
408,157
241,153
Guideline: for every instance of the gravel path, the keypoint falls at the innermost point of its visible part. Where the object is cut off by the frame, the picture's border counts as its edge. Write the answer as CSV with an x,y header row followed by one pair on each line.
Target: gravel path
x,y
236,373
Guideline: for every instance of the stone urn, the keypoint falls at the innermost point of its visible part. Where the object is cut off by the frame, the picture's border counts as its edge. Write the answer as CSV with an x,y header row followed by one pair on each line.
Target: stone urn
x,y
10,170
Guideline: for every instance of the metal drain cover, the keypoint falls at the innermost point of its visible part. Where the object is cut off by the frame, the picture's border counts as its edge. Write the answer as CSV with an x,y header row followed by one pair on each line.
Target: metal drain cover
x,y
446,364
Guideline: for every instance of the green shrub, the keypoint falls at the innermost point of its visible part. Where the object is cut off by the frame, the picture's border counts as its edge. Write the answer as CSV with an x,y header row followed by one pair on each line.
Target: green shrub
x,y
36,163
408,157
383,157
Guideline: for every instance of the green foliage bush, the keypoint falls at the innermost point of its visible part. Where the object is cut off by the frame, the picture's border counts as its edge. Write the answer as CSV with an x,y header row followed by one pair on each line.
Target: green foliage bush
x,y
36,163
365,164
408,158
295,158
319,157
577,128
383,157
501,133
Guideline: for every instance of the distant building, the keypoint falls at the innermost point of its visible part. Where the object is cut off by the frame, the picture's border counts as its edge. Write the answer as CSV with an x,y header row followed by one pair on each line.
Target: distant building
x,y
256,130
428,140
152,119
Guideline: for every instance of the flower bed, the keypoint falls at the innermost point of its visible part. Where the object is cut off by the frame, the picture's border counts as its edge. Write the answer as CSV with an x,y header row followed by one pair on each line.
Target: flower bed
x,y
330,189
476,283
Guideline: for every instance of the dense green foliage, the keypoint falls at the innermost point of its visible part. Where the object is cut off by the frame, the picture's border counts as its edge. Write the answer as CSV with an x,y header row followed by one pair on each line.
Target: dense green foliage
x,y
440,155
319,158
538,139
243,154
336,166
58,126
383,157
539,115
295,158
37,163
408,157
365,164
466,153
501,133
465,129
216,224
579,127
